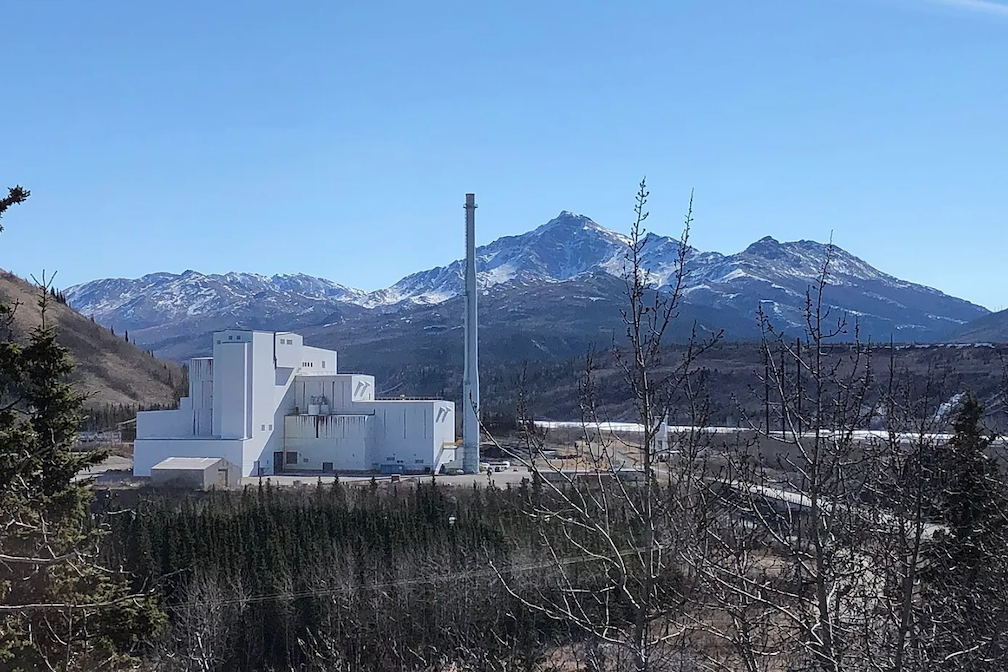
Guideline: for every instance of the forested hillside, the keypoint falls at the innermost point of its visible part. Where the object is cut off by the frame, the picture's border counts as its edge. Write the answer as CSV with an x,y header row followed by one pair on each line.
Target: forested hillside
x,y
992,328
733,375
110,370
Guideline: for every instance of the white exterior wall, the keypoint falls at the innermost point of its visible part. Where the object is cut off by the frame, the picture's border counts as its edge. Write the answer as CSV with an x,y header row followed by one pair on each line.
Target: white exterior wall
x,y
194,478
355,389
148,452
444,433
344,440
165,424
283,395
413,433
200,401
288,350
240,404
316,361
231,390
342,391
262,404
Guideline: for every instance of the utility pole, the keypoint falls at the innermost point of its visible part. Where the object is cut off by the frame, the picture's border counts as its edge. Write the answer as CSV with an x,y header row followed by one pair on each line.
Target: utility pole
x,y
783,382
766,387
798,361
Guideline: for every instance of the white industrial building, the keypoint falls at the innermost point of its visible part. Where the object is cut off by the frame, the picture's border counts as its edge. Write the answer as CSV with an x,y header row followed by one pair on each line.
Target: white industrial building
x,y
269,403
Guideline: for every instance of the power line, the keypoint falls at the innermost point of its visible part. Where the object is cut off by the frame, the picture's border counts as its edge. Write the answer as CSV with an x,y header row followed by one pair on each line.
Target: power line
x,y
397,583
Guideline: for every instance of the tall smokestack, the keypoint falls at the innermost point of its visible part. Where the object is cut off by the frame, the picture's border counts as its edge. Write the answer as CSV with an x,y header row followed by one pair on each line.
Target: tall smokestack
x,y
470,379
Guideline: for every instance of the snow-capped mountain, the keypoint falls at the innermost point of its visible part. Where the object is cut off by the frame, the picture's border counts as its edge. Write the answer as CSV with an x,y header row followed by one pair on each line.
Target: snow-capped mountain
x,y
563,254
163,298
564,248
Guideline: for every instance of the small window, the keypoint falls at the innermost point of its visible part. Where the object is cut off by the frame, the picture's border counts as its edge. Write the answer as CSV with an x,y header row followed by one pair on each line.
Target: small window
x,y
263,428
291,458
218,341
230,338
271,428
323,363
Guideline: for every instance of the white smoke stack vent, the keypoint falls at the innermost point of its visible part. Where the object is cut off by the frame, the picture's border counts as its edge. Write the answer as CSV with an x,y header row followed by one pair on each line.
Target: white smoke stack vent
x,y
470,377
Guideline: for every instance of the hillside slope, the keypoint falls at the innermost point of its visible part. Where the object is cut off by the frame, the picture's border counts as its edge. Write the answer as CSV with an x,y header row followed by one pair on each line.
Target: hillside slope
x,y
991,328
109,370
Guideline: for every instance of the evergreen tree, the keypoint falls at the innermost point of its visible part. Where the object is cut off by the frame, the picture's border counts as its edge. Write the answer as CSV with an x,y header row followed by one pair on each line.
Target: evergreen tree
x,y
59,609
973,496
964,586
15,195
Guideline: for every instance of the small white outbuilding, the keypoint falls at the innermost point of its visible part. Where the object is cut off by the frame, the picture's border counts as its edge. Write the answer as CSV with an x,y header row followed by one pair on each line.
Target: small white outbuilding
x,y
196,472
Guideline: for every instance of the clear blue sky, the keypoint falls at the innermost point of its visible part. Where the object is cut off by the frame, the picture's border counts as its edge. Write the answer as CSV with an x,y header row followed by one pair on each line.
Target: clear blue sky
x,y
338,138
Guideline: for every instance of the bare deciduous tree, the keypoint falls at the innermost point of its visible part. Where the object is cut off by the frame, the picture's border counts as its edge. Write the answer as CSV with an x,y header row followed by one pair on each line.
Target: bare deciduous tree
x,y
816,561
615,522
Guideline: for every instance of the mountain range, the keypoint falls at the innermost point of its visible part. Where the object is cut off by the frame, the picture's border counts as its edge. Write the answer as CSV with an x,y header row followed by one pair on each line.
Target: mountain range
x,y
548,292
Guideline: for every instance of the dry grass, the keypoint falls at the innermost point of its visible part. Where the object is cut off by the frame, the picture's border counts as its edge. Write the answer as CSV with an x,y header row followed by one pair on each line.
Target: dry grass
x,y
109,370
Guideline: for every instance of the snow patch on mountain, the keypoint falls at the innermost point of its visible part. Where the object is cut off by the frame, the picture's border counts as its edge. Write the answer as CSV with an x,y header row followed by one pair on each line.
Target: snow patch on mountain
x,y
569,247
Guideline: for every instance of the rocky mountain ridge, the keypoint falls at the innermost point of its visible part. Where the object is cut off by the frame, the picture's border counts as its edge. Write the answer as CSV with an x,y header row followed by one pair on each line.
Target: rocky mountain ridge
x,y
556,258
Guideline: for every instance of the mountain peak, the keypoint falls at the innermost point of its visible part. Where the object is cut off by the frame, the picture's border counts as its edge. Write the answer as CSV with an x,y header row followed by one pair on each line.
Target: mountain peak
x,y
569,247
767,247
567,218
574,225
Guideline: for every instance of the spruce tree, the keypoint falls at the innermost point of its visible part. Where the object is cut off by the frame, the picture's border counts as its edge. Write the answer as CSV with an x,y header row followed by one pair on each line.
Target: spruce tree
x,y
973,497
15,195
59,608
964,585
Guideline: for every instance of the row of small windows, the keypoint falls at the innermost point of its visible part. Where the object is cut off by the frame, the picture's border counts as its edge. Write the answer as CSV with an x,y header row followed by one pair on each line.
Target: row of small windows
x,y
283,342
263,427
309,365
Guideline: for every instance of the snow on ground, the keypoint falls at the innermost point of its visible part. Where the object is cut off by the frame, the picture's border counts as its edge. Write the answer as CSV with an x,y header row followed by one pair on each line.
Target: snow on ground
x,y
637,428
